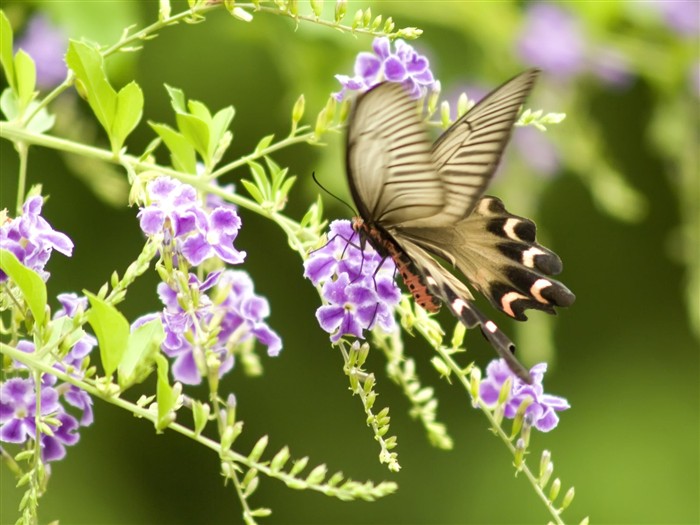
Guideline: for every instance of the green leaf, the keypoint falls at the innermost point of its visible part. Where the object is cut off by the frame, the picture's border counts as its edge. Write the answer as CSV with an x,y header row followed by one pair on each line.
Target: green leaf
x,y
87,64
253,190
219,125
181,151
128,112
177,99
264,143
111,329
6,54
26,77
28,281
260,179
142,346
199,110
166,396
196,131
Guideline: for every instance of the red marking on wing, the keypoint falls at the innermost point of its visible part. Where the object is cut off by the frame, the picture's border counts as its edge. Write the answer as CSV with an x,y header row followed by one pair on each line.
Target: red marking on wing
x,y
412,278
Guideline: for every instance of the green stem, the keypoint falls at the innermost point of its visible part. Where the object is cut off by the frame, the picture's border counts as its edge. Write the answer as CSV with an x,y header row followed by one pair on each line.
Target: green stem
x,y
23,153
497,428
32,362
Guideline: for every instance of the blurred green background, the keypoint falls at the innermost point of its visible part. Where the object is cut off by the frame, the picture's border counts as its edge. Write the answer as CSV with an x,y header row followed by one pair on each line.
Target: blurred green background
x,y
615,190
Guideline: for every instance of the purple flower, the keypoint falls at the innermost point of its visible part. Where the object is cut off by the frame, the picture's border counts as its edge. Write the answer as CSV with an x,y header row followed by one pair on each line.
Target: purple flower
x,y
541,413
358,285
552,39
32,239
215,236
236,316
74,362
18,417
404,66
46,44
175,212
612,67
683,16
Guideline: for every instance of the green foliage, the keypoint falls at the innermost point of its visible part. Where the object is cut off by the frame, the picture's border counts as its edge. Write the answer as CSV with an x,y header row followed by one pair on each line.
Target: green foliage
x,y
111,329
28,282
117,112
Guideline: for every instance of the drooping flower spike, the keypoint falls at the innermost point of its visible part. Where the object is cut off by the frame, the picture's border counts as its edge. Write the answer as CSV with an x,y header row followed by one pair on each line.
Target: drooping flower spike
x,y
357,283
542,412
404,65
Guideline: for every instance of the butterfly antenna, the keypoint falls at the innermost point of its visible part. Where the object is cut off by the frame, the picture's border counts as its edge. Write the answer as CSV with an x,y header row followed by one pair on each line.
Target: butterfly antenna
x,y
353,210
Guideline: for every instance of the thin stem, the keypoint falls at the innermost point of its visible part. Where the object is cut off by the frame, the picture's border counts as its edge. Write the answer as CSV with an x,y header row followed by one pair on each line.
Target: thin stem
x,y
497,428
288,141
23,153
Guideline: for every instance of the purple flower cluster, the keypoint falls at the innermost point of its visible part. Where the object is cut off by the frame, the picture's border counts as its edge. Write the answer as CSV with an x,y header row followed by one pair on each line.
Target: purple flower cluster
x,y
236,315
46,44
554,40
542,413
18,417
176,213
18,395
31,239
404,66
358,285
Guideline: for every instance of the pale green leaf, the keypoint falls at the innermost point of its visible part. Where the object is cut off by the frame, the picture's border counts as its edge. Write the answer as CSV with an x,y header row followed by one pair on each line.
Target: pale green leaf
x,y
25,71
143,343
28,281
111,329
181,151
128,112
87,64
6,53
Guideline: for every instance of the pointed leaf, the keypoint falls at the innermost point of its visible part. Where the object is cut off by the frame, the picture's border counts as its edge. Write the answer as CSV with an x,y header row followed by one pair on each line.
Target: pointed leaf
x,y
87,64
142,345
181,151
128,112
6,53
199,110
253,190
28,281
177,99
166,396
196,131
111,329
25,70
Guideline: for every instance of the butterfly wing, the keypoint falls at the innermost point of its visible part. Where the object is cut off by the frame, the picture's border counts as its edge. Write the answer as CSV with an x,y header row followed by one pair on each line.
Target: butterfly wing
x,y
499,255
467,154
451,291
389,161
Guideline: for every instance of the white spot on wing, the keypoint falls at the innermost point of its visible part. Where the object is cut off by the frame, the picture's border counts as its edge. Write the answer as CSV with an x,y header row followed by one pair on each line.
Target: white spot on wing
x,y
458,305
509,228
431,281
528,257
491,327
508,299
536,289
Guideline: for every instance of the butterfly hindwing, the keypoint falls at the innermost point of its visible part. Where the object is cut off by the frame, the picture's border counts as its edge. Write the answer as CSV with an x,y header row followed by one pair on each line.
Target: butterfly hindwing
x,y
498,254
449,290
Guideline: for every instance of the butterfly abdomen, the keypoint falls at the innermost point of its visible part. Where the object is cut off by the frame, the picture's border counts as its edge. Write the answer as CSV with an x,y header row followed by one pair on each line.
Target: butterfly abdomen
x,y
412,278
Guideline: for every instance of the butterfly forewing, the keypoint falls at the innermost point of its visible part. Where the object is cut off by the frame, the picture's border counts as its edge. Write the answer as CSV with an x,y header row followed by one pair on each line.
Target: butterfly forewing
x,y
417,201
467,154
390,167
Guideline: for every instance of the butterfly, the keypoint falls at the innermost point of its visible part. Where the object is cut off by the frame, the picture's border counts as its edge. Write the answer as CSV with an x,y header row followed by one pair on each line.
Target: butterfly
x,y
419,200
